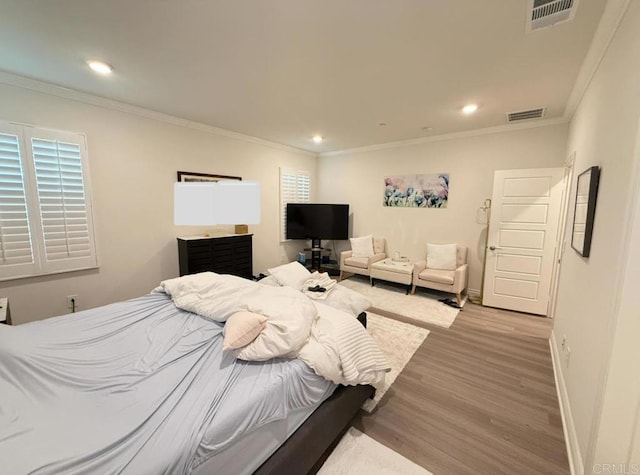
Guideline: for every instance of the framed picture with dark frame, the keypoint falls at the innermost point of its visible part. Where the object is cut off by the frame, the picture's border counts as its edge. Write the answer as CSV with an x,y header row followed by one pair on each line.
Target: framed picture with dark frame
x,y
585,210
200,177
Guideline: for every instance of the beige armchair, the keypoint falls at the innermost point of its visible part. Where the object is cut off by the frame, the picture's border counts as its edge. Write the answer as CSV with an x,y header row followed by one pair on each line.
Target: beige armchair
x,y
454,281
362,265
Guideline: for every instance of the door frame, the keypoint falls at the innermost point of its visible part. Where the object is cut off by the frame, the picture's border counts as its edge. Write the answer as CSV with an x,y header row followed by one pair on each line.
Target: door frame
x,y
562,234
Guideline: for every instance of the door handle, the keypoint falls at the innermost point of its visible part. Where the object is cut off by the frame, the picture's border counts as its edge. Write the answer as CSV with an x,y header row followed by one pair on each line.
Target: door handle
x,y
493,248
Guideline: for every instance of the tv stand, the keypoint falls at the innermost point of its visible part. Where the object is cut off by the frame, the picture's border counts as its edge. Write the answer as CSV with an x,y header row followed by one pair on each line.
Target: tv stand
x,y
316,254
315,263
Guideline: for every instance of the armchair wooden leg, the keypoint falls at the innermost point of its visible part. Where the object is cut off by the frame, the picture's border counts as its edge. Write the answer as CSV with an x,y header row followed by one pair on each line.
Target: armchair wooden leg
x,y
340,275
459,298
413,289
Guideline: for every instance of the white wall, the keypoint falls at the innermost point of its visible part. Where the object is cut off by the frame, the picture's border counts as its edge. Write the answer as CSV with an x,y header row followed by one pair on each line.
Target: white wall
x,y
620,416
133,164
591,310
357,179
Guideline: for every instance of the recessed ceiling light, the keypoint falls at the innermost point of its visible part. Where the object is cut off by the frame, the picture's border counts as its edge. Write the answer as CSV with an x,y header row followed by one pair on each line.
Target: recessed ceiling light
x,y
100,67
317,139
469,109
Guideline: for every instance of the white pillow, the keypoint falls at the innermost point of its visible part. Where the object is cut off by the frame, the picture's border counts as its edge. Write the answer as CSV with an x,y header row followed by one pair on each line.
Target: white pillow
x,y
242,328
292,274
347,300
362,246
441,256
270,281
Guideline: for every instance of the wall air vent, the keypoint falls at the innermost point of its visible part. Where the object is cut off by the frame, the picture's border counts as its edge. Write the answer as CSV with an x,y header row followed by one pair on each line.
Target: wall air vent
x,y
545,13
525,115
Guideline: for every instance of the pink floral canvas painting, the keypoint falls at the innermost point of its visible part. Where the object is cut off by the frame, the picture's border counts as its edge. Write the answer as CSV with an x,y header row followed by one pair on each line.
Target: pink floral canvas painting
x,y
417,191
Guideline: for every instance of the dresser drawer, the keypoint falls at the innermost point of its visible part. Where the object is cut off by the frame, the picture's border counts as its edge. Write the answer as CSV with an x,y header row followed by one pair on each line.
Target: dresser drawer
x,y
223,255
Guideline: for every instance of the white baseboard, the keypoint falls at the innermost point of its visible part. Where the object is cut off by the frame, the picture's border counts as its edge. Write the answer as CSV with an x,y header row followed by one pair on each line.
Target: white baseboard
x,y
473,292
570,437
474,296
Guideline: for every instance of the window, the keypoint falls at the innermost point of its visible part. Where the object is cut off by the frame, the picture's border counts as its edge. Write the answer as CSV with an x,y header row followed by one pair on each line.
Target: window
x,y
295,187
46,225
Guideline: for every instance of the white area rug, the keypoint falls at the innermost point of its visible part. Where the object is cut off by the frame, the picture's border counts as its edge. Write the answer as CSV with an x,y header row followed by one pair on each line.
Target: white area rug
x,y
359,454
423,306
399,341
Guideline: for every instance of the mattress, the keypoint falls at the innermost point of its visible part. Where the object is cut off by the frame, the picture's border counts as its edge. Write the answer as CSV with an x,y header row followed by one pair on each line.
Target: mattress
x,y
140,387
248,453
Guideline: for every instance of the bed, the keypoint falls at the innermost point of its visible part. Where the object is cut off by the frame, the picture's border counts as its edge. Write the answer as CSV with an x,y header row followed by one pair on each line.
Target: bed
x,y
144,386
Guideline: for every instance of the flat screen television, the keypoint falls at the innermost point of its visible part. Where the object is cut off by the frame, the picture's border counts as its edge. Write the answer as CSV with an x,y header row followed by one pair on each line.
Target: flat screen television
x,y
317,221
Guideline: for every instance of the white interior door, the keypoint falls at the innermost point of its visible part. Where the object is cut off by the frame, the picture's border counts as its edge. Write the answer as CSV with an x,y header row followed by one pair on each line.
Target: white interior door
x,y
522,239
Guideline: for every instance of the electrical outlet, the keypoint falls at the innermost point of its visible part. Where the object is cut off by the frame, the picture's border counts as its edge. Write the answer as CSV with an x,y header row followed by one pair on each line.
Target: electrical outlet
x,y
564,341
567,356
72,302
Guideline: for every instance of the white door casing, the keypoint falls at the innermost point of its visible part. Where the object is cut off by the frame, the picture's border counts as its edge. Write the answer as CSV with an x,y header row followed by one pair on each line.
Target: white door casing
x,y
523,231
562,233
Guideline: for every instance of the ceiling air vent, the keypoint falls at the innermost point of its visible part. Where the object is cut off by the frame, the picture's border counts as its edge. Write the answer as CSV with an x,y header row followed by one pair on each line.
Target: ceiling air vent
x,y
545,13
525,115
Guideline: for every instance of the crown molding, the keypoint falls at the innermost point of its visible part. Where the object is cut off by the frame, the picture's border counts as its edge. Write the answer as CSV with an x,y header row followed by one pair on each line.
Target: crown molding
x,y
609,23
71,94
451,136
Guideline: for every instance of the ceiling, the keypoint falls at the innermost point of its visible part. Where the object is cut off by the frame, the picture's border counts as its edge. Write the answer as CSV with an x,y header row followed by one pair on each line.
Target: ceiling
x,y
284,70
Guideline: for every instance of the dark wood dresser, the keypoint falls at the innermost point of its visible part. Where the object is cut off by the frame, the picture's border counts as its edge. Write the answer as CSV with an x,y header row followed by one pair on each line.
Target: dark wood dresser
x,y
229,254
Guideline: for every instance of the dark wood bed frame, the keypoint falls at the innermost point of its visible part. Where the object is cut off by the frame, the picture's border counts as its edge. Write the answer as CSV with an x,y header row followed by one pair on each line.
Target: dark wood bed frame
x,y
329,422
305,450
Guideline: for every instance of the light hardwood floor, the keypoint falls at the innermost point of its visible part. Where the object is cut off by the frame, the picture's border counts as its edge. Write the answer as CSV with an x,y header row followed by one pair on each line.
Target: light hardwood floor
x,y
476,398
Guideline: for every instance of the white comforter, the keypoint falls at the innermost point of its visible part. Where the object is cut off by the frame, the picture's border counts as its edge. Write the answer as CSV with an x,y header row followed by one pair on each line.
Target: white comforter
x,y
330,341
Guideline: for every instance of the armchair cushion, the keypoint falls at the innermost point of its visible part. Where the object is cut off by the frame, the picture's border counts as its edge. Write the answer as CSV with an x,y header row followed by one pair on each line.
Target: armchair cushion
x,y
362,246
361,262
438,275
441,256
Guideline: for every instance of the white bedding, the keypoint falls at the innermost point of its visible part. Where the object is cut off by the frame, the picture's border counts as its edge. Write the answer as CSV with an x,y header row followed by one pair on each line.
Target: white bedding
x,y
332,342
341,350
340,297
217,297
318,279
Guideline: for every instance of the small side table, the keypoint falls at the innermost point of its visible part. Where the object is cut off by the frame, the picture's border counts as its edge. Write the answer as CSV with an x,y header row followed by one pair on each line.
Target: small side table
x,y
400,272
5,314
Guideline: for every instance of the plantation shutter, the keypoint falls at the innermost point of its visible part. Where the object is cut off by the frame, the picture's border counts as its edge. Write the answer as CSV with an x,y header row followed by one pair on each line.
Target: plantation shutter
x,y
16,252
61,199
295,187
45,206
